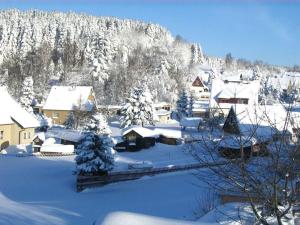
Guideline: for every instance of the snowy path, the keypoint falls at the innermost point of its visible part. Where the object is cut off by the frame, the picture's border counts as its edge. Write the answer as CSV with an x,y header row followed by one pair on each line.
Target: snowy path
x,y
42,191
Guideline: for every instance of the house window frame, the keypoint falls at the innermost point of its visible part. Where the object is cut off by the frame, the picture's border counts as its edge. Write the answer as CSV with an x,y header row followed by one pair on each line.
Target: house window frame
x,y
1,134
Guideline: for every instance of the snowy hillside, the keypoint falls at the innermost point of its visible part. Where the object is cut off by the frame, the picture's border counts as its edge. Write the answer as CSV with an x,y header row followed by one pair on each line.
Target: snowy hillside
x,y
109,53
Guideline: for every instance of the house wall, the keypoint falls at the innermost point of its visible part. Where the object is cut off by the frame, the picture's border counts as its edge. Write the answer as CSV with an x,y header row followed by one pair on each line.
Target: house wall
x,y
17,135
164,118
14,135
6,140
60,119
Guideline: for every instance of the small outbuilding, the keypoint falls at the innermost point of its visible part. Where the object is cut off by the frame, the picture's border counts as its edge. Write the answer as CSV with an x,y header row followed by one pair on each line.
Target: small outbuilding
x,y
169,137
136,138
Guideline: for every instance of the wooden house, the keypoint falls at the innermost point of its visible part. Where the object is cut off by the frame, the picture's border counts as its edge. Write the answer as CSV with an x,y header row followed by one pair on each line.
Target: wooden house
x,y
63,100
136,138
17,126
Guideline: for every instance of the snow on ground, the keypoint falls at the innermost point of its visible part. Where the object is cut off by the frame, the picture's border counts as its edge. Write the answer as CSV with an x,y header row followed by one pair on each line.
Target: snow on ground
x,y
229,214
42,191
125,218
160,155
17,150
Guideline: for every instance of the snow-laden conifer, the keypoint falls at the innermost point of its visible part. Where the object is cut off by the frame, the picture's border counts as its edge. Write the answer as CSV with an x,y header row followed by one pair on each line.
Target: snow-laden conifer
x,y
138,109
94,155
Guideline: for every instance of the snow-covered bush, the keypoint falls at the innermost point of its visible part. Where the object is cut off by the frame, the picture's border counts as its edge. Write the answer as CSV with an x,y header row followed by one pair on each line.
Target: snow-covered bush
x,y
97,123
138,109
94,155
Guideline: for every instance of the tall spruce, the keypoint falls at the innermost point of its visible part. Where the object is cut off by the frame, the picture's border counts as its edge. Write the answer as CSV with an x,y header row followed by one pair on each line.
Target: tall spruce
x,y
94,155
138,109
182,104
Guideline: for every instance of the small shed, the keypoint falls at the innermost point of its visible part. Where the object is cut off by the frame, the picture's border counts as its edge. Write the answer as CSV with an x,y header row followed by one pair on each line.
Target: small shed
x,y
66,136
137,138
168,136
38,141
236,146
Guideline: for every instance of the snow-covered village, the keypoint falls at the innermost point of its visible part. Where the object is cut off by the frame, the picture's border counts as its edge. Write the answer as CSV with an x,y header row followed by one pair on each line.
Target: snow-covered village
x,y
123,113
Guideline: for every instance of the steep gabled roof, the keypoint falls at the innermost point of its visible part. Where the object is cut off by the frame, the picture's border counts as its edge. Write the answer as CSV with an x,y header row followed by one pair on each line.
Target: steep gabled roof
x,y
197,82
69,98
11,112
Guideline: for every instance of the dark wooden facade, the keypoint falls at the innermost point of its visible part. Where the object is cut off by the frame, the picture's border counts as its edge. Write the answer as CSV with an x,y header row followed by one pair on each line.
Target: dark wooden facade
x,y
168,140
135,142
233,100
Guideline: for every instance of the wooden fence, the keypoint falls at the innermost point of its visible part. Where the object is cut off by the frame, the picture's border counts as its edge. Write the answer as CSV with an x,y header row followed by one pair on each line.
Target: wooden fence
x,y
112,177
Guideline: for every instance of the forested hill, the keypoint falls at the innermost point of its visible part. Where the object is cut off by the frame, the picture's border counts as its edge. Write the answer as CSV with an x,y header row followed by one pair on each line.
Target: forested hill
x,y
109,53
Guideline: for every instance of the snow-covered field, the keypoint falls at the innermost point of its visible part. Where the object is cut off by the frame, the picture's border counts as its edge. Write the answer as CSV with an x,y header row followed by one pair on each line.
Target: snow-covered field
x,y
39,191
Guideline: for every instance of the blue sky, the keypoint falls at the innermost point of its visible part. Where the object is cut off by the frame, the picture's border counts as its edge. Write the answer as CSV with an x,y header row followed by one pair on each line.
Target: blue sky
x,y
266,30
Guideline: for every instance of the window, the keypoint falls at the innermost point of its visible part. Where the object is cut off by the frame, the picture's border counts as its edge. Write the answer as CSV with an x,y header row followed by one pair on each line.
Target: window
x,y
24,135
55,114
28,135
1,135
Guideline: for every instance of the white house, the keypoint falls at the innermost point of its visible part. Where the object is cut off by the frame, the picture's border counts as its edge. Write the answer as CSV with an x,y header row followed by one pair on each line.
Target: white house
x,y
225,94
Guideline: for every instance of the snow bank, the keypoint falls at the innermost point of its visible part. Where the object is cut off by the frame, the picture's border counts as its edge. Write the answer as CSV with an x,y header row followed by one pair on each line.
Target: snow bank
x,y
58,148
126,218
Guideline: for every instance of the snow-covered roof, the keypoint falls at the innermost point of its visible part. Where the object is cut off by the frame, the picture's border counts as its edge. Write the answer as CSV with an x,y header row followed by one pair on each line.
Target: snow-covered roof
x,y
65,134
161,104
144,132
169,133
236,142
262,121
116,107
190,121
69,98
246,90
12,112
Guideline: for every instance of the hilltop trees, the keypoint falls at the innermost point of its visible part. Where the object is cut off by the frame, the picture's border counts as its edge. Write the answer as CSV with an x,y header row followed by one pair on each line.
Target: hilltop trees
x,y
138,109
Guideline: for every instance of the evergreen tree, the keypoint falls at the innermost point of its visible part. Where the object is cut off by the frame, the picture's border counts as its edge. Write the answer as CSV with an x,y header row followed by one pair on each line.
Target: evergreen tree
x,y
182,104
70,121
97,123
231,124
191,106
27,94
138,109
94,155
